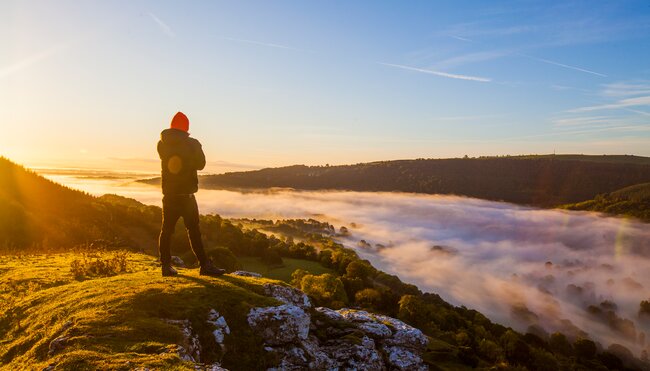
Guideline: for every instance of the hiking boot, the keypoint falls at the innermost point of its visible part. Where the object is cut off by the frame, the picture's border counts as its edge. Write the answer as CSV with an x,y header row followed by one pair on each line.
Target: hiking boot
x,y
208,269
168,271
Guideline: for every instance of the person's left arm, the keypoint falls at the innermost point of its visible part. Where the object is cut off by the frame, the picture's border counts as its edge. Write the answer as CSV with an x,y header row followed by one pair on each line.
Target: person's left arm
x,y
199,156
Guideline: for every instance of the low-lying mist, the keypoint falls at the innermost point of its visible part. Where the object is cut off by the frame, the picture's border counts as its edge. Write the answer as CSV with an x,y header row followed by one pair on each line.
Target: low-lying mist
x,y
558,271
579,273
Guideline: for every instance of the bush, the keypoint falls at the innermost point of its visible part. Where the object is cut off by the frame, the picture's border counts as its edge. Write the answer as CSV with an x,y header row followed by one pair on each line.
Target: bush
x,y
99,266
222,257
368,298
585,348
326,290
560,345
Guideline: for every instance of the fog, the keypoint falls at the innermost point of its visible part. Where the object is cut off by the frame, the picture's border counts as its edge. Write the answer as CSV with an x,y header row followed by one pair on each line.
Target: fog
x,y
519,266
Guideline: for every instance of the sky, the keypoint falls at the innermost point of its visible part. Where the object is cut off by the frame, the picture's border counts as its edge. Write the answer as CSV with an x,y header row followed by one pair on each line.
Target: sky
x,y
273,83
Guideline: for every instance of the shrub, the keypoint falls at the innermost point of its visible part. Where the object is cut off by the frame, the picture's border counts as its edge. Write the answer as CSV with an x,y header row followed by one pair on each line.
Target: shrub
x,y
224,258
326,290
99,266
368,298
585,348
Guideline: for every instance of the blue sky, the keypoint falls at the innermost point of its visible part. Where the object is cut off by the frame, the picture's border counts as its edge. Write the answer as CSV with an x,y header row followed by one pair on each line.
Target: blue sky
x,y
270,83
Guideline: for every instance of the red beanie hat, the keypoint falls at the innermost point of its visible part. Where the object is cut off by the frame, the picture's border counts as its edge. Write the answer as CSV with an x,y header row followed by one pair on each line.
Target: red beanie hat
x,y
180,122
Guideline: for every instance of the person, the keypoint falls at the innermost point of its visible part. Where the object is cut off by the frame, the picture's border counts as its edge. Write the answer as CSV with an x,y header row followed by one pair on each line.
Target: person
x,y
181,157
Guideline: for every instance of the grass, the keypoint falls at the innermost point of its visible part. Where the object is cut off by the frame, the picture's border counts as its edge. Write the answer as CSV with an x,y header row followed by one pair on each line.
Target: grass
x,y
282,273
118,322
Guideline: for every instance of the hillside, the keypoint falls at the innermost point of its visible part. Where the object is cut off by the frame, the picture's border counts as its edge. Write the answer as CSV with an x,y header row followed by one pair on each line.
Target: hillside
x,y
38,213
633,201
547,180
102,307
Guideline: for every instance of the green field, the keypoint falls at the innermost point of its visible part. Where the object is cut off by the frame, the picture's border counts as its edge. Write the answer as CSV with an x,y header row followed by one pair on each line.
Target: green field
x,y
282,273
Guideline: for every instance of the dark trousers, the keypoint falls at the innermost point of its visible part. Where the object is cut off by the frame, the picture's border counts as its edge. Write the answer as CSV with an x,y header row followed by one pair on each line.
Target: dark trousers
x,y
175,207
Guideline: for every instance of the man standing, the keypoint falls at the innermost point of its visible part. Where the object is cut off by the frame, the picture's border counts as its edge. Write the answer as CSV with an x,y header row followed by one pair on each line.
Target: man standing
x,y
181,157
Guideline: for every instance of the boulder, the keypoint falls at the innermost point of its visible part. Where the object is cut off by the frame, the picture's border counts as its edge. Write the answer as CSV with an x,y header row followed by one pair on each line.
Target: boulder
x,y
403,359
393,330
280,325
362,356
347,339
287,295
330,313
190,348
246,274
57,344
177,261
221,327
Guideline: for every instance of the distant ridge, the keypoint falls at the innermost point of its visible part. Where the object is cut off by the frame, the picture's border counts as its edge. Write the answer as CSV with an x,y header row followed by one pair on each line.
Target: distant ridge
x,y
539,180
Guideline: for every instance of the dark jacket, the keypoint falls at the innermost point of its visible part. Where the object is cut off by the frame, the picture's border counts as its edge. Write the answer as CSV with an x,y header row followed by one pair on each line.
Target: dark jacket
x,y
180,158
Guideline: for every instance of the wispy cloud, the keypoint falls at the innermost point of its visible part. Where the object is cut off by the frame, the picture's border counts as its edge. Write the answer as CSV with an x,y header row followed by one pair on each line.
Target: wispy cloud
x,y
562,65
163,26
581,121
260,43
31,60
486,55
467,118
626,89
623,103
437,73
471,58
461,38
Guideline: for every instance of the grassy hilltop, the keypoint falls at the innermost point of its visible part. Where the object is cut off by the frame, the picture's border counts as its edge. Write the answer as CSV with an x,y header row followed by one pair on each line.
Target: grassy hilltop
x,y
116,321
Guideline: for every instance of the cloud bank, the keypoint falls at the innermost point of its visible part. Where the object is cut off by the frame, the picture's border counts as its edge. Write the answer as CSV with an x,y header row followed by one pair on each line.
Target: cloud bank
x,y
562,271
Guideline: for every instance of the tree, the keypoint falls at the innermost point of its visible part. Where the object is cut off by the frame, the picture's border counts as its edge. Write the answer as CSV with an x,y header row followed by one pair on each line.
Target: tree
x,y
585,348
368,298
297,276
224,258
559,344
358,269
326,290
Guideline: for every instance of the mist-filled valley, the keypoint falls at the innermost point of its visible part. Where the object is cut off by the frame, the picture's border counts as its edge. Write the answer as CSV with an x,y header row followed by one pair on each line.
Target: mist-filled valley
x,y
537,270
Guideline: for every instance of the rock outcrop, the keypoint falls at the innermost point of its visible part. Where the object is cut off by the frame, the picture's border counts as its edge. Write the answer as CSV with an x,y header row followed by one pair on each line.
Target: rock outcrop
x,y
288,295
246,274
178,262
326,339
190,348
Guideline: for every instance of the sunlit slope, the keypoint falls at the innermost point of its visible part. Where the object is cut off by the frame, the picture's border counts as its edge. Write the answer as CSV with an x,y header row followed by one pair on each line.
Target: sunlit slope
x,y
534,180
631,201
109,321
36,212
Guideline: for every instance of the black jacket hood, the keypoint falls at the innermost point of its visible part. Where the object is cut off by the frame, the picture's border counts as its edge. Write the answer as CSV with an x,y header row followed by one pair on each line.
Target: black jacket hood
x,y
173,135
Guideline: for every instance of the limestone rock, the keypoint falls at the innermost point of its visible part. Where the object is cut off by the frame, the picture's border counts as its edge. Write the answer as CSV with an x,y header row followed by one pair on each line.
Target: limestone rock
x,y
57,344
288,295
403,359
330,313
357,357
403,335
280,325
190,349
246,274
177,261
347,339
221,327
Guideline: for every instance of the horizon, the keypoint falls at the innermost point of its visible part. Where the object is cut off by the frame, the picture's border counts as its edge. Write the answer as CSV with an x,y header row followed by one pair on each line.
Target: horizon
x,y
91,84
215,168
